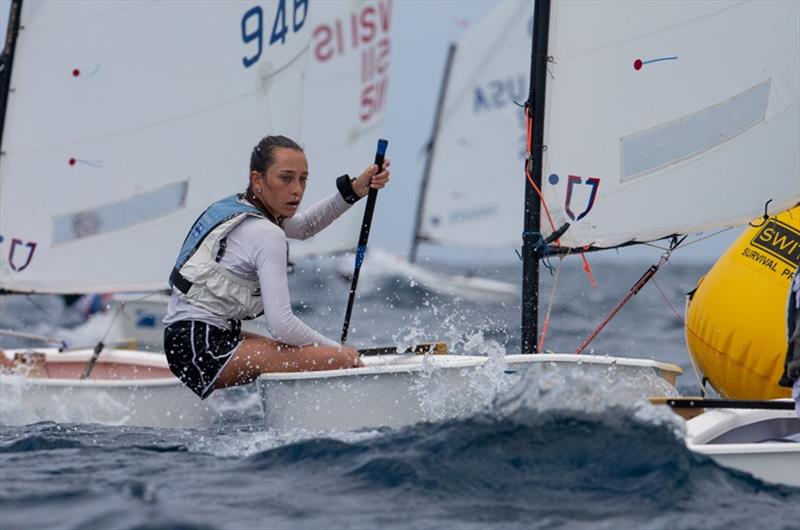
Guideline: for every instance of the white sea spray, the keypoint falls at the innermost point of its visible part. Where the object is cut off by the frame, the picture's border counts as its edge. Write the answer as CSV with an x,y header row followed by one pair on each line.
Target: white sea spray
x,y
589,389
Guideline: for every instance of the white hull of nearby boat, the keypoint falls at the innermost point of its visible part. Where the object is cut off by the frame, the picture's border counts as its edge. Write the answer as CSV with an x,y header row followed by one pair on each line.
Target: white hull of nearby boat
x,y
397,390
140,318
755,441
135,318
125,388
381,263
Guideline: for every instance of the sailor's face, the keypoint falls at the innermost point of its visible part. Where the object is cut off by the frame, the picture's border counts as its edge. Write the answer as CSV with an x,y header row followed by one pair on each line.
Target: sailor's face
x,y
284,182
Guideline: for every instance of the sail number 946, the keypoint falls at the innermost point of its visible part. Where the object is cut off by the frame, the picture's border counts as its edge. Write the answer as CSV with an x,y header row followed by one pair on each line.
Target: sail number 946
x,y
253,27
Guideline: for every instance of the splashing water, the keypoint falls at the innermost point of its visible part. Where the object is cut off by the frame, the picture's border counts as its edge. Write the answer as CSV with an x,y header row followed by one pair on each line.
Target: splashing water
x,y
543,389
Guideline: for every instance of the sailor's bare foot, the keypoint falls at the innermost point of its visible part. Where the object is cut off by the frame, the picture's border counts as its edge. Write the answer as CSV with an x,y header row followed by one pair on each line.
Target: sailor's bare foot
x,y
6,364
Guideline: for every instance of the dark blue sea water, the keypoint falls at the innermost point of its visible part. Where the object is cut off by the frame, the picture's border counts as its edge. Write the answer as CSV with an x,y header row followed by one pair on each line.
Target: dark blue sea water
x,y
550,464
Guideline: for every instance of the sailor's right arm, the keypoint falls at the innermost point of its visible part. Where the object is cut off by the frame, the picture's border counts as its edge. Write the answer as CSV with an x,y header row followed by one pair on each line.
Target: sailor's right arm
x,y
269,255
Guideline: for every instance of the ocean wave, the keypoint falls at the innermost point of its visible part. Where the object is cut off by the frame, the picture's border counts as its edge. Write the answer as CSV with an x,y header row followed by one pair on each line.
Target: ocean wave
x,y
39,443
552,465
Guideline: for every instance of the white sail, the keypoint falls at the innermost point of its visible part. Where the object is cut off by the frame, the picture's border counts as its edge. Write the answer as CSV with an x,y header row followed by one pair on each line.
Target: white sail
x,y
474,193
126,119
670,117
344,108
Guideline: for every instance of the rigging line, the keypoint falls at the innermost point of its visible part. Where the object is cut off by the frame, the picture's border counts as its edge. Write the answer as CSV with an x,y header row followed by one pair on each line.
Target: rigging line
x,y
684,245
588,269
40,308
652,245
683,321
100,346
529,132
666,300
145,296
21,335
649,273
708,236
546,262
546,324
113,319
539,246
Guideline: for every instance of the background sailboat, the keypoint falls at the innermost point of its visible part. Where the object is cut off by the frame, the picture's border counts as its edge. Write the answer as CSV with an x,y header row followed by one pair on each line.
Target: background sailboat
x,y
469,196
110,151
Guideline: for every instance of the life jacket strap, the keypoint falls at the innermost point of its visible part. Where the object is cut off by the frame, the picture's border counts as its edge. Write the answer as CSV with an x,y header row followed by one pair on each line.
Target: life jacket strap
x,y
177,280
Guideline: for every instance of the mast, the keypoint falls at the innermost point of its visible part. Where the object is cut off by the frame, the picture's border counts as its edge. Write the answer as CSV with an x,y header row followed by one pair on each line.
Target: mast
x,y
6,62
423,188
531,250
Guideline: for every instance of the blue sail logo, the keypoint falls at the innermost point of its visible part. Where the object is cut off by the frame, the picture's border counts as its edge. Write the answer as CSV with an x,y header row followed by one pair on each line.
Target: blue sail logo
x,y
590,196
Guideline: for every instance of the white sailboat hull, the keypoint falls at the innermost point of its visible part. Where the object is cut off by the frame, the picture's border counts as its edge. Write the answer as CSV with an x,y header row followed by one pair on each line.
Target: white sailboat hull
x,y
754,441
125,388
379,263
399,390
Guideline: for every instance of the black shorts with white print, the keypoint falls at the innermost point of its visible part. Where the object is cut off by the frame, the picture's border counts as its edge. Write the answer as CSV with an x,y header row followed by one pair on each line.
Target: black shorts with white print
x,y
197,352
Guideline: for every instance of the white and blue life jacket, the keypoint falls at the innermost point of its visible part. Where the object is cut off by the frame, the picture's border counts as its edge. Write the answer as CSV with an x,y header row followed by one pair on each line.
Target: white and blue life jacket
x,y
198,273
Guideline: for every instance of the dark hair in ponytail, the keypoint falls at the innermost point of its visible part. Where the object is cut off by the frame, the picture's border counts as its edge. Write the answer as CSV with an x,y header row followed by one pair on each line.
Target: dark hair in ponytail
x,y
262,157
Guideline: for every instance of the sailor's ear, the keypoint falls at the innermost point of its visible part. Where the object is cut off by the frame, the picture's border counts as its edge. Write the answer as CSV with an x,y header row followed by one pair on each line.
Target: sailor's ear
x,y
254,178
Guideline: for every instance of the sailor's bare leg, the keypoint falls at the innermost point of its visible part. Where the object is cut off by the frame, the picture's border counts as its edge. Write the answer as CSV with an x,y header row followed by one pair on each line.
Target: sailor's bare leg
x,y
258,355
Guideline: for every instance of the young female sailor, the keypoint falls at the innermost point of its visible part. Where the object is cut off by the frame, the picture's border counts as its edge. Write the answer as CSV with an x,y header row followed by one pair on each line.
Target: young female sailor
x,y
232,265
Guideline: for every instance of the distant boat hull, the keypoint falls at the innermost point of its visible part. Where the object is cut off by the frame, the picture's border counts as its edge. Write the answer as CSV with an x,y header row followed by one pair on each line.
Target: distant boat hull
x,y
134,318
125,388
754,441
399,390
382,263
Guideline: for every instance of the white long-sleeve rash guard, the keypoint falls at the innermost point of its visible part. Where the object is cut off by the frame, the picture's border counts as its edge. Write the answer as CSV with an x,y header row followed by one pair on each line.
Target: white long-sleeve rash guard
x,y
256,249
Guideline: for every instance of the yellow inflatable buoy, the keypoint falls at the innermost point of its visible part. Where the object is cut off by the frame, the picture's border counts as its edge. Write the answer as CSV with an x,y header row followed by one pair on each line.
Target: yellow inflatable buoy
x,y
736,316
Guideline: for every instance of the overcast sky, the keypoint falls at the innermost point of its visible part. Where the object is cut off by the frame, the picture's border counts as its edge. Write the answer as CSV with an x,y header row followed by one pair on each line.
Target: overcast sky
x,y
421,32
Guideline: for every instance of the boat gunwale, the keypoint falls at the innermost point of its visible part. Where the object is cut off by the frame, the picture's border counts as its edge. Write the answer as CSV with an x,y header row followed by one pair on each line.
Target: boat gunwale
x,y
464,361
775,447
27,382
139,359
110,355
714,423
